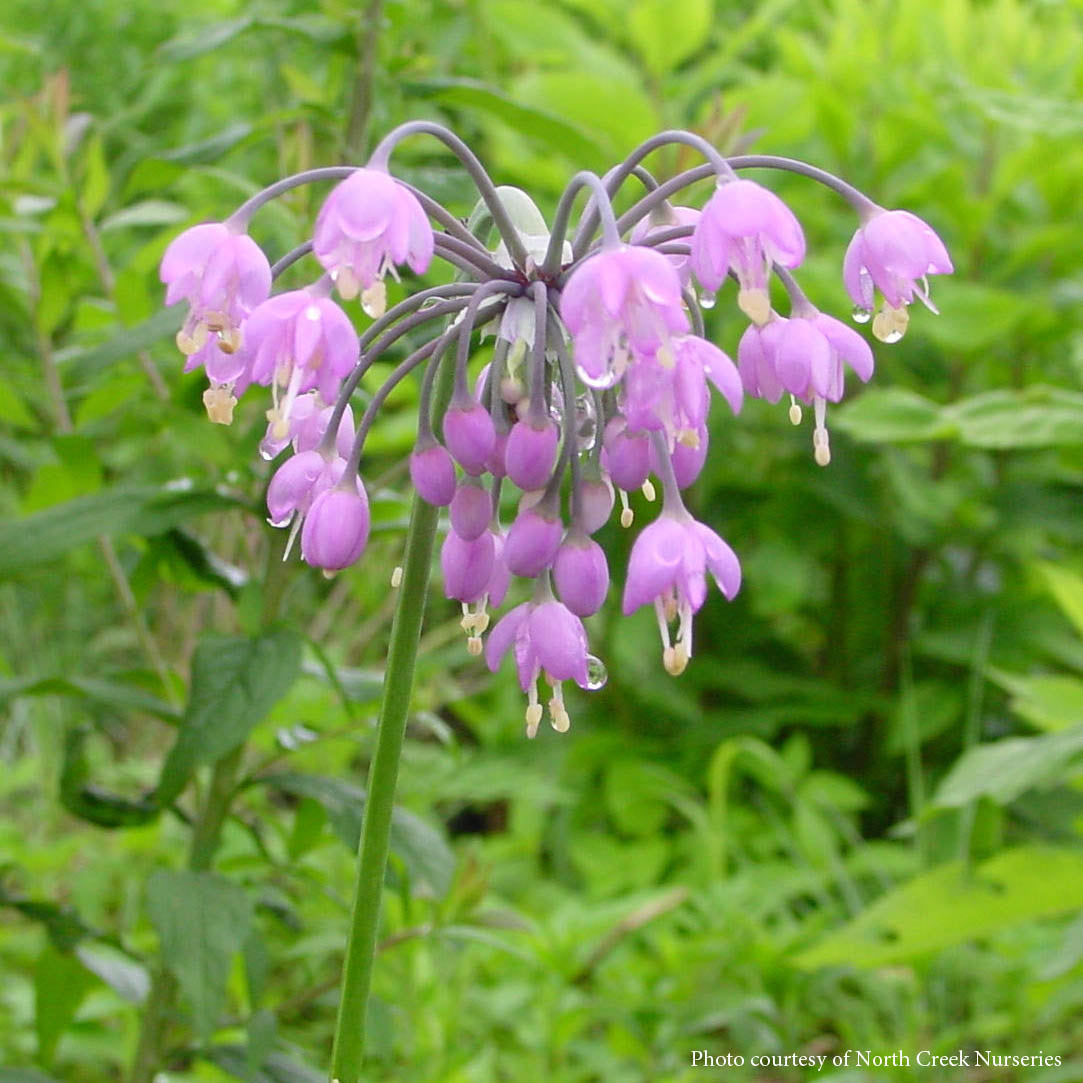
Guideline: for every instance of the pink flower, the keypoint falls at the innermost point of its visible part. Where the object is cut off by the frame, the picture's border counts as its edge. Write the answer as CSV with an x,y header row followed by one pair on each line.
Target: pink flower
x,y
744,229
621,304
894,252
548,640
295,342
336,528
368,224
222,274
668,568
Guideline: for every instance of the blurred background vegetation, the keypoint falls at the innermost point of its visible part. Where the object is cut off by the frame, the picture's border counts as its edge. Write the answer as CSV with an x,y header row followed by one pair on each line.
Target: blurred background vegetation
x,y
854,823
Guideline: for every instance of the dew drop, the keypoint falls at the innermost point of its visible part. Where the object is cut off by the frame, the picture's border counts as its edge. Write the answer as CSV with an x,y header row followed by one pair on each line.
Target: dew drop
x,y
861,314
707,300
892,337
597,674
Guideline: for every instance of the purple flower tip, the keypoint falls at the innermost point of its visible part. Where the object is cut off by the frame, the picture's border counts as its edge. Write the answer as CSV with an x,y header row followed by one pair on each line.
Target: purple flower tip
x,y
532,543
581,574
531,454
433,473
470,436
336,528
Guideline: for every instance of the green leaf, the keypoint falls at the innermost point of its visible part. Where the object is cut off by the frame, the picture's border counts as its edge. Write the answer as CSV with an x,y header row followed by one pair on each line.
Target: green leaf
x,y
668,31
163,324
209,150
127,978
426,856
1002,770
60,983
537,122
947,906
276,1068
235,682
113,694
1048,701
203,39
1067,589
13,410
148,212
65,928
96,182
49,534
201,921
1032,418
89,802
891,415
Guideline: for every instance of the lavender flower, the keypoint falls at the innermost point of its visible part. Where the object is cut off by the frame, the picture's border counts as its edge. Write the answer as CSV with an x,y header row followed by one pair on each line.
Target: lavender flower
x,y
336,528
744,229
620,304
894,252
549,640
370,223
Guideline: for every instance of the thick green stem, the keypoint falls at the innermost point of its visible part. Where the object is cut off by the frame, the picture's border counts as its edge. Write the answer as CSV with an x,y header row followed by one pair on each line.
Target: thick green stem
x,y
349,1043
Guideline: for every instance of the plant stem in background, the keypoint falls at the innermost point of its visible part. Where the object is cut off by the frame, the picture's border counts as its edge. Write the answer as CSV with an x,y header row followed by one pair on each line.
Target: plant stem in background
x,y
361,98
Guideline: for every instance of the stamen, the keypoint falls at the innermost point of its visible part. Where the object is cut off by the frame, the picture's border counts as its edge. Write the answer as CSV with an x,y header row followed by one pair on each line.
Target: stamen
x,y
889,325
755,304
347,284
675,660
192,337
663,625
219,401
533,710
795,411
229,339
374,299
474,646
558,714
648,490
396,577
821,449
627,516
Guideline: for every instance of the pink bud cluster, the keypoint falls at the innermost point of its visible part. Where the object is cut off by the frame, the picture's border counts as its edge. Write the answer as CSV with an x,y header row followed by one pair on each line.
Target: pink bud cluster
x,y
600,381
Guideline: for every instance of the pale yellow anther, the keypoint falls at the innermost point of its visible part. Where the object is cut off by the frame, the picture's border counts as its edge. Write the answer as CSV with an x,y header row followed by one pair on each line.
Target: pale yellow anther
x,y
688,438
374,299
559,718
346,283
329,573
755,304
192,341
474,646
219,402
822,454
396,577
665,357
795,413
511,390
889,324
627,517
675,660
648,490
533,719
481,623
280,428
670,609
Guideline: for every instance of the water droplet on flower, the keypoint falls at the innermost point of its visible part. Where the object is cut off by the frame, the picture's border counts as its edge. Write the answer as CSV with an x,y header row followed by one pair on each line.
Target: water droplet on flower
x,y
586,423
706,300
597,674
861,314
892,336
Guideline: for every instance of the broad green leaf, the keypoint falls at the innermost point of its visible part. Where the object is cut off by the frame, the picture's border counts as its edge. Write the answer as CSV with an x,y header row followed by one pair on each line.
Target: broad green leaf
x,y
13,410
1048,701
949,905
60,983
201,920
891,415
235,682
1067,588
89,802
668,31
1002,770
1032,418
49,534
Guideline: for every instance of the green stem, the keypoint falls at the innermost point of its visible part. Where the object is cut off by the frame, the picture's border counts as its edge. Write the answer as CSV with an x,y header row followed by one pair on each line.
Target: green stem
x,y
349,1043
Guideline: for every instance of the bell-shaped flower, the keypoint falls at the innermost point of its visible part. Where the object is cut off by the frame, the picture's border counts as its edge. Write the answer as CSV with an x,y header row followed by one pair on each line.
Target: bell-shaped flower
x,y
894,252
620,304
223,275
432,470
547,640
581,573
295,342
469,435
336,528
744,229
667,568
533,540
531,453
368,224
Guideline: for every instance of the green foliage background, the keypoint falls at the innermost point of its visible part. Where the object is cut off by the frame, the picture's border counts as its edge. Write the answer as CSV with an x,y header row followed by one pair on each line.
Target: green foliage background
x,y
854,823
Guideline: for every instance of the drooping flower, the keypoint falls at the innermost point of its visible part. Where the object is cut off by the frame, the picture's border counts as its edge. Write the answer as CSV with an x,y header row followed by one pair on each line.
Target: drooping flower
x,y
548,640
336,528
368,224
223,275
295,342
531,453
533,540
469,434
894,252
744,229
432,471
667,568
620,304
581,573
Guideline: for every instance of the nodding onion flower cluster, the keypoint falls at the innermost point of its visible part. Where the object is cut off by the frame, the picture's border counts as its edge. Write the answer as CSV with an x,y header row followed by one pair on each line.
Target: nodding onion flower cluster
x,y
600,375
